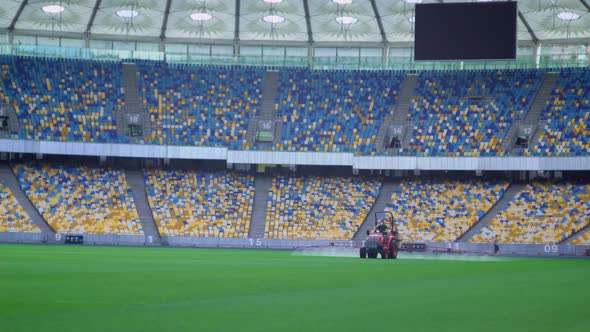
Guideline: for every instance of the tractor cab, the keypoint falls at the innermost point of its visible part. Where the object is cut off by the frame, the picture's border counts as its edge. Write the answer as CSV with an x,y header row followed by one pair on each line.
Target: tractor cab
x,y
382,239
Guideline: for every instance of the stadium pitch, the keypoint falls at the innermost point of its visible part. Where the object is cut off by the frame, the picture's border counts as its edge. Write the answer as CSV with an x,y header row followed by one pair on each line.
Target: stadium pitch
x,y
57,288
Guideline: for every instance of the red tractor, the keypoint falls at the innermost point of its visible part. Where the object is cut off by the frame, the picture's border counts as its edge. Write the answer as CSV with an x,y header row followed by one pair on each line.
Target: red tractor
x,y
383,239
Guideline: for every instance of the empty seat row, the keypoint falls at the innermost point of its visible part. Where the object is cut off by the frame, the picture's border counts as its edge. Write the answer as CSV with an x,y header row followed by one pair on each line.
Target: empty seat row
x,y
442,210
200,203
81,200
312,207
544,212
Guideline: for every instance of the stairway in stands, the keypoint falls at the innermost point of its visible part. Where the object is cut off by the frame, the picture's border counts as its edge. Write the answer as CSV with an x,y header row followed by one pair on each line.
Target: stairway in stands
x,y
400,112
267,111
269,94
11,181
385,192
136,181
538,104
500,206
532,118
405,98
132,103
262,185
6,110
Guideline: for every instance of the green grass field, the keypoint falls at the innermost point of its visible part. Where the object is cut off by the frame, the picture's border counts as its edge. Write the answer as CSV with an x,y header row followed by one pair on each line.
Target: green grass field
x,y
55,288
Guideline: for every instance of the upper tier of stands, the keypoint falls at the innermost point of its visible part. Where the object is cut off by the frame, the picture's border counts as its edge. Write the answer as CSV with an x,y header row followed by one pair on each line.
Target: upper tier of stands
x,y
567,130
337,111
81,200
441,211
468,113
65,100
200,105
465,113
13,217
199,203
318,207
543,213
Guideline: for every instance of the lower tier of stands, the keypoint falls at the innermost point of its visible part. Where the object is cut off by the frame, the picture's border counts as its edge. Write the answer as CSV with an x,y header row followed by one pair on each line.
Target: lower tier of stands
x,y
81,200
196,203
13,218
201,204
583,239
441,211
309,207
543,213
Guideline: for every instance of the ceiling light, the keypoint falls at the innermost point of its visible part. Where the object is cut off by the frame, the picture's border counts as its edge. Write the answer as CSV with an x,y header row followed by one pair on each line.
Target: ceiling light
x,y
273,1
346,20
568,16
53,9
274,19
201,16
127,13
413,1
342,2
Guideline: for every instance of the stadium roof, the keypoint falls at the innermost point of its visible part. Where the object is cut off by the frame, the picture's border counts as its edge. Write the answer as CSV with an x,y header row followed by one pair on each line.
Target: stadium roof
x,y
285,22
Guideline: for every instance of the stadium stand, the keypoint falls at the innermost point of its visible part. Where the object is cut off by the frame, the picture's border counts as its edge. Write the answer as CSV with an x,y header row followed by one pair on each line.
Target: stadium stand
x,y
199,105
81,200
468,113
338,111
63,99
200,203
544,213
582,240
454,112
440,210
13,217
310,207
567,113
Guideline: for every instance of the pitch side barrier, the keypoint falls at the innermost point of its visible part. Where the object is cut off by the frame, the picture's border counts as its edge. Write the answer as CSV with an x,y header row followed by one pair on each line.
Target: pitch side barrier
x,y
23,237
459,248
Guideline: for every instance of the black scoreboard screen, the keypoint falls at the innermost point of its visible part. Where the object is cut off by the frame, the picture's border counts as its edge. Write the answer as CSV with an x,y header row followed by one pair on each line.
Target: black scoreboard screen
x,y
465,31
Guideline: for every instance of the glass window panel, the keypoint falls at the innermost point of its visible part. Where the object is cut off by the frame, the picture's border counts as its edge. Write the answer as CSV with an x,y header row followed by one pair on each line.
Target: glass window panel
x,y
176,48
397,52
371,52
149,47
348,52
101,44
200,49
72,43
296,51
327,52
221,50
274,51
124,45
24,40
525,51
251,51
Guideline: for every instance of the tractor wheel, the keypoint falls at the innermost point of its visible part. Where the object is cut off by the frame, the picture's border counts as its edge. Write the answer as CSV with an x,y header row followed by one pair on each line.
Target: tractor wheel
x,y
372,253
363,252
393,253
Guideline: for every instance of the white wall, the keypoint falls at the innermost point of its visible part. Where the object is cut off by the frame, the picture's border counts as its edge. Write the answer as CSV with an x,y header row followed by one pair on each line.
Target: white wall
x,y
297,158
